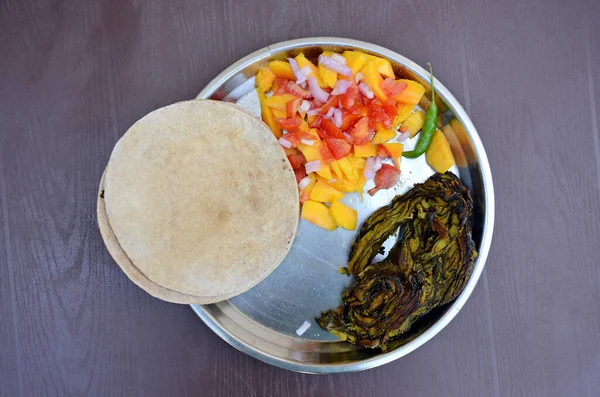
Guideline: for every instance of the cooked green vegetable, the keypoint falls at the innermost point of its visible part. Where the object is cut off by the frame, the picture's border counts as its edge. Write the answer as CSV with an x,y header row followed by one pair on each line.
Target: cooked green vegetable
x,y
429,126
426,268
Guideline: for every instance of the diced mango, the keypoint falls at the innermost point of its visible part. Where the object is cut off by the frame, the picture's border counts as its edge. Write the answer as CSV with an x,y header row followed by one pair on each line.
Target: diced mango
x,y
335,167
439,154
411,94
264,78
384,67
343,215
310,152
313,179
279,101
381,136
278,113
395,150
368,150
343,185
302,62
357,162
325,171
328,76
282,69
404,110
348,170
318,214
325,193
355,60
373,79
414,123
304,126
267,115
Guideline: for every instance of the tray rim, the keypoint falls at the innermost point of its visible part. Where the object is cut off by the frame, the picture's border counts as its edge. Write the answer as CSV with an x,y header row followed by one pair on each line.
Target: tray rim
x,y
487,232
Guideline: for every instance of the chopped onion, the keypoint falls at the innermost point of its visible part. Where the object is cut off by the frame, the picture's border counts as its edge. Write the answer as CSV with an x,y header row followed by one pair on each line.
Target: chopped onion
x,y
284,132
303,328
304,106
339,58
369,166
377,164
320,94
358,77
312,166
304,183
341,86
285,143
348,137
404,136
337,118
329,114
300,77
334,65
313,112
365,90
306,70
303,84
308,142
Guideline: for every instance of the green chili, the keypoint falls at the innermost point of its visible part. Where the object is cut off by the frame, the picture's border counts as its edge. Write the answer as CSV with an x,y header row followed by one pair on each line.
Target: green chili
x,y
429,126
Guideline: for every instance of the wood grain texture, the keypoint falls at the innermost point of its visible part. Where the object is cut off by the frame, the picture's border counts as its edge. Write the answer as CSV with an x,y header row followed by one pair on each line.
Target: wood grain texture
x,y
74,75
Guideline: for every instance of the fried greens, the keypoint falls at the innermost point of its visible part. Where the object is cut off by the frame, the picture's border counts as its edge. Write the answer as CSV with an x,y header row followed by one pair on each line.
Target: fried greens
x,y
428,266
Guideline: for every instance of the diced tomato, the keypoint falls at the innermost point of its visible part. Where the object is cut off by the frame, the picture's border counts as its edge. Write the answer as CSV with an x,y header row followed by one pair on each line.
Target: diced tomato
x,y
316,122
331,102
390,109
349,139
326,155
360,132
300,174
331,131
304,197
296,137
348,120
278,83
339,147
359,109
292,107
296,160
316,104
348,98
391,87
290,87
386,177
383,113
383,152
289,124
291,151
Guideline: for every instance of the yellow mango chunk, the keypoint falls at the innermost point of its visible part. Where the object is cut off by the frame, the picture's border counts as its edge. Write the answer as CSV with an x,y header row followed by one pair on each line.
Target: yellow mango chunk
x,y
335,167
267,115
404,110
264,78
308,188
373,79
414,123
325,171
282,69
278,113
325,193
318,214
396,151
355,60
302,62
279,101
347,169
368,150
439,154
380,137
357,162
343,215
384,67
411,94
328,76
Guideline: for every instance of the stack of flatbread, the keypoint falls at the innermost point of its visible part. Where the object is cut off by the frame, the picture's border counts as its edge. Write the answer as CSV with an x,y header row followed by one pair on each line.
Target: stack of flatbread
x,y
198,202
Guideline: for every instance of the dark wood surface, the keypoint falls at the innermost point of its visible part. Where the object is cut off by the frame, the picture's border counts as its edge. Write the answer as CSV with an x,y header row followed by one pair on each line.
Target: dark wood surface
x,y
74,75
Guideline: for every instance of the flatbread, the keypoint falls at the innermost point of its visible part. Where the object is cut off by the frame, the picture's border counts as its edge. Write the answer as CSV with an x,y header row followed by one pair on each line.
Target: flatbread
x,y
201,199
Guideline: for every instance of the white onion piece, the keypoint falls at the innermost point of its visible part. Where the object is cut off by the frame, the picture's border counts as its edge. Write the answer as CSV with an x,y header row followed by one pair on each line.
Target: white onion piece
x,y
337,118
377,163
348,137
285,143
303,84
312,166
334,65
358,78
284,132
306,70
341,86
369,166
300,77
404,136
339,58
330,112
308,142
365,90
303,328
313,112
320,94
304,183
304,106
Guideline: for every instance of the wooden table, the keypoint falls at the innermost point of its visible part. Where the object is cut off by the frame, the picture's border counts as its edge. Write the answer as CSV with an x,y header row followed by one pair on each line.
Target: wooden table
x,y
74,75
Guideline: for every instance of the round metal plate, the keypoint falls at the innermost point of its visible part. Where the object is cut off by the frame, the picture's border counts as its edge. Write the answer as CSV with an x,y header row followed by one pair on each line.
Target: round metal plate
x,y
263,321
